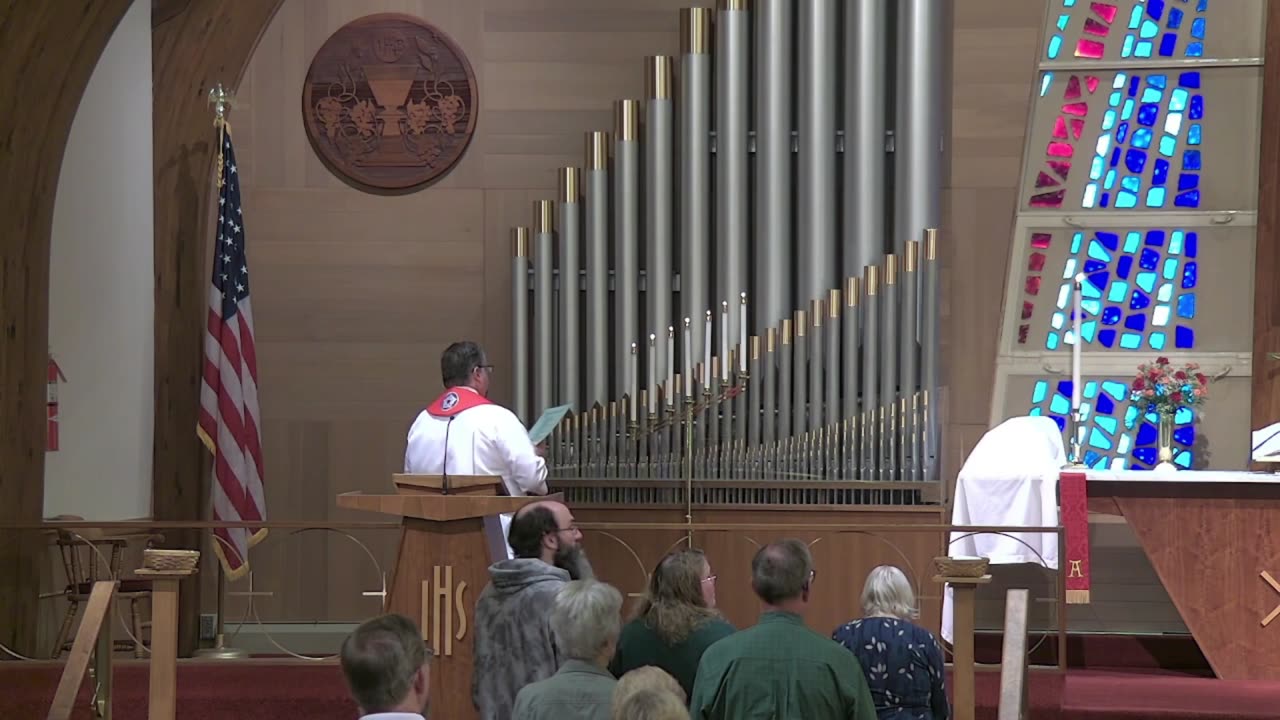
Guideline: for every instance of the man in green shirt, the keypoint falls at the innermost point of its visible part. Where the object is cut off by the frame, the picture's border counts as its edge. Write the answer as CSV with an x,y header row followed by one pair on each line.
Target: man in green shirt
x,y
780,669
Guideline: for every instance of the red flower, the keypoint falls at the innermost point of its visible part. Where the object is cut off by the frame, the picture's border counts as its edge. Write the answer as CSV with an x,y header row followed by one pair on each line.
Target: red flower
x,y
1200,378
1176,397
1162,360
1139,384
1180,375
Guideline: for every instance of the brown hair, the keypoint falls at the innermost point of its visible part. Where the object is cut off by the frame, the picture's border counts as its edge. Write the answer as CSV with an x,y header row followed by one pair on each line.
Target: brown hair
x,y
674,607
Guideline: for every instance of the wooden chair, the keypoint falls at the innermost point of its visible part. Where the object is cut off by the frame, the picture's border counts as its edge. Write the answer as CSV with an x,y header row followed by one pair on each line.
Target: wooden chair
x,y
83,555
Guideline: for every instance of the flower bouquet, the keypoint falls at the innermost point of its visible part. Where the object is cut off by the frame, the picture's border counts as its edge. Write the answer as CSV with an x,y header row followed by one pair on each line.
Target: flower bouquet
x,y
1163,389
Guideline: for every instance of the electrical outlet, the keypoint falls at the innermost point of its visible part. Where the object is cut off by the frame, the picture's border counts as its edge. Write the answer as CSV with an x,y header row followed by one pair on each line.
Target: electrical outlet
x,y
208,626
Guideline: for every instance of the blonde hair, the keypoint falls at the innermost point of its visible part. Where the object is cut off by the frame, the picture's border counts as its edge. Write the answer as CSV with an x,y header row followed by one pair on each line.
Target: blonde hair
x,y
888,592
585,618
649,693
674,607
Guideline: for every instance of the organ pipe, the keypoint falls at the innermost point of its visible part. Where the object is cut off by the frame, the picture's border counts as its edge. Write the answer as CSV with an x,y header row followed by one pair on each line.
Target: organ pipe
x,y
732,106
816,214
596,213
626,236
570,287
658,155
773,286
919,138
544,348
695,167
520,321
864,160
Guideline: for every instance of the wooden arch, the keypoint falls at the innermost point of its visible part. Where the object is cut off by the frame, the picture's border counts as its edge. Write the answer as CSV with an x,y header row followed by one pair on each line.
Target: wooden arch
x,y
48,51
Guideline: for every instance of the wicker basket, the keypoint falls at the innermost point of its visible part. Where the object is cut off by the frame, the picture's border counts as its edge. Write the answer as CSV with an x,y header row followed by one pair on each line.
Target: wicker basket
x,y
965,567
170,561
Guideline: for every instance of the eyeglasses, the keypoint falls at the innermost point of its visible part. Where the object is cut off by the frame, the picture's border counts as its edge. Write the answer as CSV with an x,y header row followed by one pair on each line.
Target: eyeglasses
x,y
709,578
488,368
571,528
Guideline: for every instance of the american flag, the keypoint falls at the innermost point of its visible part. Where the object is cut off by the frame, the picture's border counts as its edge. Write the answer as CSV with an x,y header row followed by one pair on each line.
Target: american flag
x,y
229,418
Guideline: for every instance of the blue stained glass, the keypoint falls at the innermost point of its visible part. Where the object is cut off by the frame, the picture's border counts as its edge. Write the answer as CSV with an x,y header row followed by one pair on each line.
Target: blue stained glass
x,y
1155,8
1166,290
1127,111
1076,239
1110,182
1136,322
1095,170
1119,81
1193,134
1147,434
1147,115
1145,49
1110,316
1088,329
1099,280
1185,435
1118,292
1157,81
1151,95
1175,19
1109,240
1131,242
1189,199
1106,406
1071,3
1130,341
1040,392
1115,99
1191,160
1147,281
1090,191
1168,145
1190,80
1093,266
1055,46
1184,338
1156,197
1064,389
1170,271
1193,244
1122,131
1099,439
1139,300
1131,183
1142,138
1195,49
1064,19
1124,267
1127,49
1183,416
1149,30
1052,341
1160,175
1157,341
1130,416
1097,252
1168,42
1175,242
1059,404
1178,102
1109,121
1197,28
1187,306
1115,389
1126,200
1188,181
1202,6
1183,460
1135,17
1087,290
1135,161
1190,274
1133,85
1093,307
1145,455
1106,198
1155,238
1115,157
1107,338
1197,107
1149,259
1045,82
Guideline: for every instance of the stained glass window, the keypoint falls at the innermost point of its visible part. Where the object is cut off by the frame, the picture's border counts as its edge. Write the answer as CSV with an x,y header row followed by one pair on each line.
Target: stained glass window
x,y
1142,28
1117,435
1138,290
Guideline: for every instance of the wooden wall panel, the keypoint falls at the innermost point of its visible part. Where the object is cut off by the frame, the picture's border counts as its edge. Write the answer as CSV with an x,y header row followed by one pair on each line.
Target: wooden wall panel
x,y
47,53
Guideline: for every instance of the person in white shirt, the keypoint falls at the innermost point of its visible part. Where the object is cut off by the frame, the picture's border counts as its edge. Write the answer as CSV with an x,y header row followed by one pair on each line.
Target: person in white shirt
x,y
388,669
464,433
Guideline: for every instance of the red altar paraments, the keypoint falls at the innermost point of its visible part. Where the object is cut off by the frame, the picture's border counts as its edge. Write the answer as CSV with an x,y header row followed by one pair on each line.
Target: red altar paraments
x,y
1073,505
55,375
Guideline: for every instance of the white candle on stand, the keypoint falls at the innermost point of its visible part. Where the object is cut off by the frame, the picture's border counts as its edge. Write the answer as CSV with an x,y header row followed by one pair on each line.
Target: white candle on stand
x,y
653,374
1076,388
724,342
742,335
706,355
634,382
688,357
671,366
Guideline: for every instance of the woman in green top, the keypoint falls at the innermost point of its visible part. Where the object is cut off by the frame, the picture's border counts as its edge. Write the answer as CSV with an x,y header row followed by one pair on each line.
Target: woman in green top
x,y
676,620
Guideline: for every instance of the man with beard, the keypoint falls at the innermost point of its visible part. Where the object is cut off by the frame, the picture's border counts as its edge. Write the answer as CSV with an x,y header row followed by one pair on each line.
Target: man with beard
x,y
514,643
387,666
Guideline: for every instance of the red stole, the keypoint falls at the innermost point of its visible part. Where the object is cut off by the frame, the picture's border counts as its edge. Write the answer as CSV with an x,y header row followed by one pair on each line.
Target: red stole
x,y
454,401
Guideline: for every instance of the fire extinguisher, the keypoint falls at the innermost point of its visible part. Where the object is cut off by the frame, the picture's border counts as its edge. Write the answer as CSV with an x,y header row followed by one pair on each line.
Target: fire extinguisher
x,y
55,375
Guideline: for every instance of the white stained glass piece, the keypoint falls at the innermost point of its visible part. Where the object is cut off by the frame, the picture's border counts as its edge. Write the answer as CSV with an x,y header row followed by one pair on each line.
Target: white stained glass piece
x,y
1160,316
1173,123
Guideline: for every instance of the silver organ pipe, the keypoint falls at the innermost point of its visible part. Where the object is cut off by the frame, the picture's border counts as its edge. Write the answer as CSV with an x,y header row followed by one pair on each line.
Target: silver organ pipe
x,y
742,363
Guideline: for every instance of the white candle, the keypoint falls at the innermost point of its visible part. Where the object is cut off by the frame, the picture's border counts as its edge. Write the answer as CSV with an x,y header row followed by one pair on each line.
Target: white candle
x,y
688,357
653,374
724,342
1076,387
670,390
706,354
633,389
742,335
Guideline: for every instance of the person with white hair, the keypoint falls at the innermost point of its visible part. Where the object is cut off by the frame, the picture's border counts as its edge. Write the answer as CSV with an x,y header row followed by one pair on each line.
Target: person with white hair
x,y
902,660
586,618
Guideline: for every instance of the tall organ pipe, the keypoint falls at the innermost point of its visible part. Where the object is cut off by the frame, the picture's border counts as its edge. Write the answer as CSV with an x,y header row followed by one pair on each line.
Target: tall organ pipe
x,y
626,237
929,352
520,322
907,350
816,216
695,167
871,372
596,211
544,355
658,156
732,105
849,353
865,58
889,365
570,288
773,253
922,86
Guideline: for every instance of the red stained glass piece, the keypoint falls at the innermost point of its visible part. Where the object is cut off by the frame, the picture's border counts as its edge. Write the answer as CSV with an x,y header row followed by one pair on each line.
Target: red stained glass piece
x,y
1060,129
1048,200
1095,28
1078,109
1044,180
1022,334
1041,240
1091,82
1090,49
1073,88
1033,286
1104,10
1077,128
1027,309
1062,167
1036,262
1060,149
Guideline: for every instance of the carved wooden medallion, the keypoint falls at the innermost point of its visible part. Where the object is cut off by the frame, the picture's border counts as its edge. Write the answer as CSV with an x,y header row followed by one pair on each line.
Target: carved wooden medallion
x,y
390,102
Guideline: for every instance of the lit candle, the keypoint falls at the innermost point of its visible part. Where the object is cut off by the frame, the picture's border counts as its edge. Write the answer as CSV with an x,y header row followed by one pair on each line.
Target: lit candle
x,y
631,391
724,342
688,356
670,389
706,354
742,335
1076,312
653,374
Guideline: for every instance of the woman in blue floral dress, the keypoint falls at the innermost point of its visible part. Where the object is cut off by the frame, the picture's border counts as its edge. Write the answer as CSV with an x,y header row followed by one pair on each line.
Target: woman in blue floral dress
x,y
902,660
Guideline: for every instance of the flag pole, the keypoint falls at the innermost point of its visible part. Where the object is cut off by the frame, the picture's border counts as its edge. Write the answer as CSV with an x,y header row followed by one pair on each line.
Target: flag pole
x,y
221,100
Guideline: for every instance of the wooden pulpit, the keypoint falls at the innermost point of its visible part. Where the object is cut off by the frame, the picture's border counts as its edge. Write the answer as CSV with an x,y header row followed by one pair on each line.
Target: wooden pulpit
x,y
442,564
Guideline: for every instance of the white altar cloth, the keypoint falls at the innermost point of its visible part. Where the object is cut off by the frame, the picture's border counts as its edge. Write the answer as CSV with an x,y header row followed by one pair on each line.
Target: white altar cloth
x,y
1009,479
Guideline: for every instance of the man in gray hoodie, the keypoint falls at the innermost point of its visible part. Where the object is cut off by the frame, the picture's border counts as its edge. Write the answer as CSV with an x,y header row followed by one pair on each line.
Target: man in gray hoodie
x,y
514,645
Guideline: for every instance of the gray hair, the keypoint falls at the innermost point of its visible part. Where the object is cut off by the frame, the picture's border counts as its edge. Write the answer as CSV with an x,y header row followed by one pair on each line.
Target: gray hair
x,y
781,570
586,616
888,592
379,659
